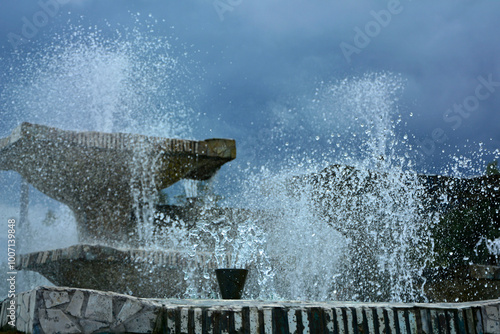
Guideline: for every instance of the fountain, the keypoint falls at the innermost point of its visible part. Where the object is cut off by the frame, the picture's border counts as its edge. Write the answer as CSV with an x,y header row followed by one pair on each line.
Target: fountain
x,y
342,250
50,158
93,173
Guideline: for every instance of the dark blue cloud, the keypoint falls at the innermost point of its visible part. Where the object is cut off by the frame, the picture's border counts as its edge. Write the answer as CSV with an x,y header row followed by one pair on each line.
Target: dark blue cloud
x,y
252,56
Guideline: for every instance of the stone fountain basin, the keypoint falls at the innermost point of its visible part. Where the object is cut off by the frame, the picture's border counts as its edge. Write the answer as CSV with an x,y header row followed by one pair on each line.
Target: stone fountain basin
x,y
137,272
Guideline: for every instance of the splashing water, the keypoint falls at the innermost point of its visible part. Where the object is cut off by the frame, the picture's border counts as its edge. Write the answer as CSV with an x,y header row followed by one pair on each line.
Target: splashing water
x,y
128,82
344,221
190,188
233,240
494,247
358,229
83,80
144,189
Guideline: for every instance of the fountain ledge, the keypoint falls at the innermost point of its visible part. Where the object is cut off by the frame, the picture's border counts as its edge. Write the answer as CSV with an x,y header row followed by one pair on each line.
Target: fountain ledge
x,y
138,272
70,310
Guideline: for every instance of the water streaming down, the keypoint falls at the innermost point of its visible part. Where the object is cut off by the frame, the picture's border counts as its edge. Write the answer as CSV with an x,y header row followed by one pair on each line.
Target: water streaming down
x,y
232,240
379,204
306,232
144,190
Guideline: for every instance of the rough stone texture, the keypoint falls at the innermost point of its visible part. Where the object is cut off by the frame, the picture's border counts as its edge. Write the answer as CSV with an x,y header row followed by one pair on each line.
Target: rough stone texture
x,y
130,308
142,322
55,298
92,326
95,173
136,315
492,319
75,306
56,321
99,308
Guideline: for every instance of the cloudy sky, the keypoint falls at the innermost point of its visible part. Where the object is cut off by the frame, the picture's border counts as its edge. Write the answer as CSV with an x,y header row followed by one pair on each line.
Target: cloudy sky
x,y
284,78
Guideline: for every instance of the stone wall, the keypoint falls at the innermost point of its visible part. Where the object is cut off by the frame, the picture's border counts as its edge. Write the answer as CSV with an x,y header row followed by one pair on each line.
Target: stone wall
x,y
67,310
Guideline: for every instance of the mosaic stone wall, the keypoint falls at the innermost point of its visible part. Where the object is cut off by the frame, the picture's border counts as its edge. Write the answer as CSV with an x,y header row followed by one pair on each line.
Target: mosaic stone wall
x,y
67,310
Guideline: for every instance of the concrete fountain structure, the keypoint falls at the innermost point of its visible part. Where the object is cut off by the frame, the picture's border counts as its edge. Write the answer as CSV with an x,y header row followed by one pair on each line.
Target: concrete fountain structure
x,y
95,174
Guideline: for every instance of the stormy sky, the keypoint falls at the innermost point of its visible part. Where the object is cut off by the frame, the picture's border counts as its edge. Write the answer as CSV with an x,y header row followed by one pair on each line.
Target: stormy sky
x,y
299,84
261,71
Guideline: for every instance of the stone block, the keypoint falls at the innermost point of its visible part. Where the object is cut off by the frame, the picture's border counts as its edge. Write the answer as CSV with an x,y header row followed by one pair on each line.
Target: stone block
x,y
54,298
370,320
254,318
55,321
90,326
130,308
21,318
75,306
144,322
100,308
139,315
3,313
492,327
33,307
120,328
491,316
492,312
26,299
23,310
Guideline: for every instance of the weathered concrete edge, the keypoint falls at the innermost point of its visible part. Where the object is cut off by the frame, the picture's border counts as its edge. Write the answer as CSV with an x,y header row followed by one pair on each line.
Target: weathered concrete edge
x,y
215,147
169,258
92,252
70,310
